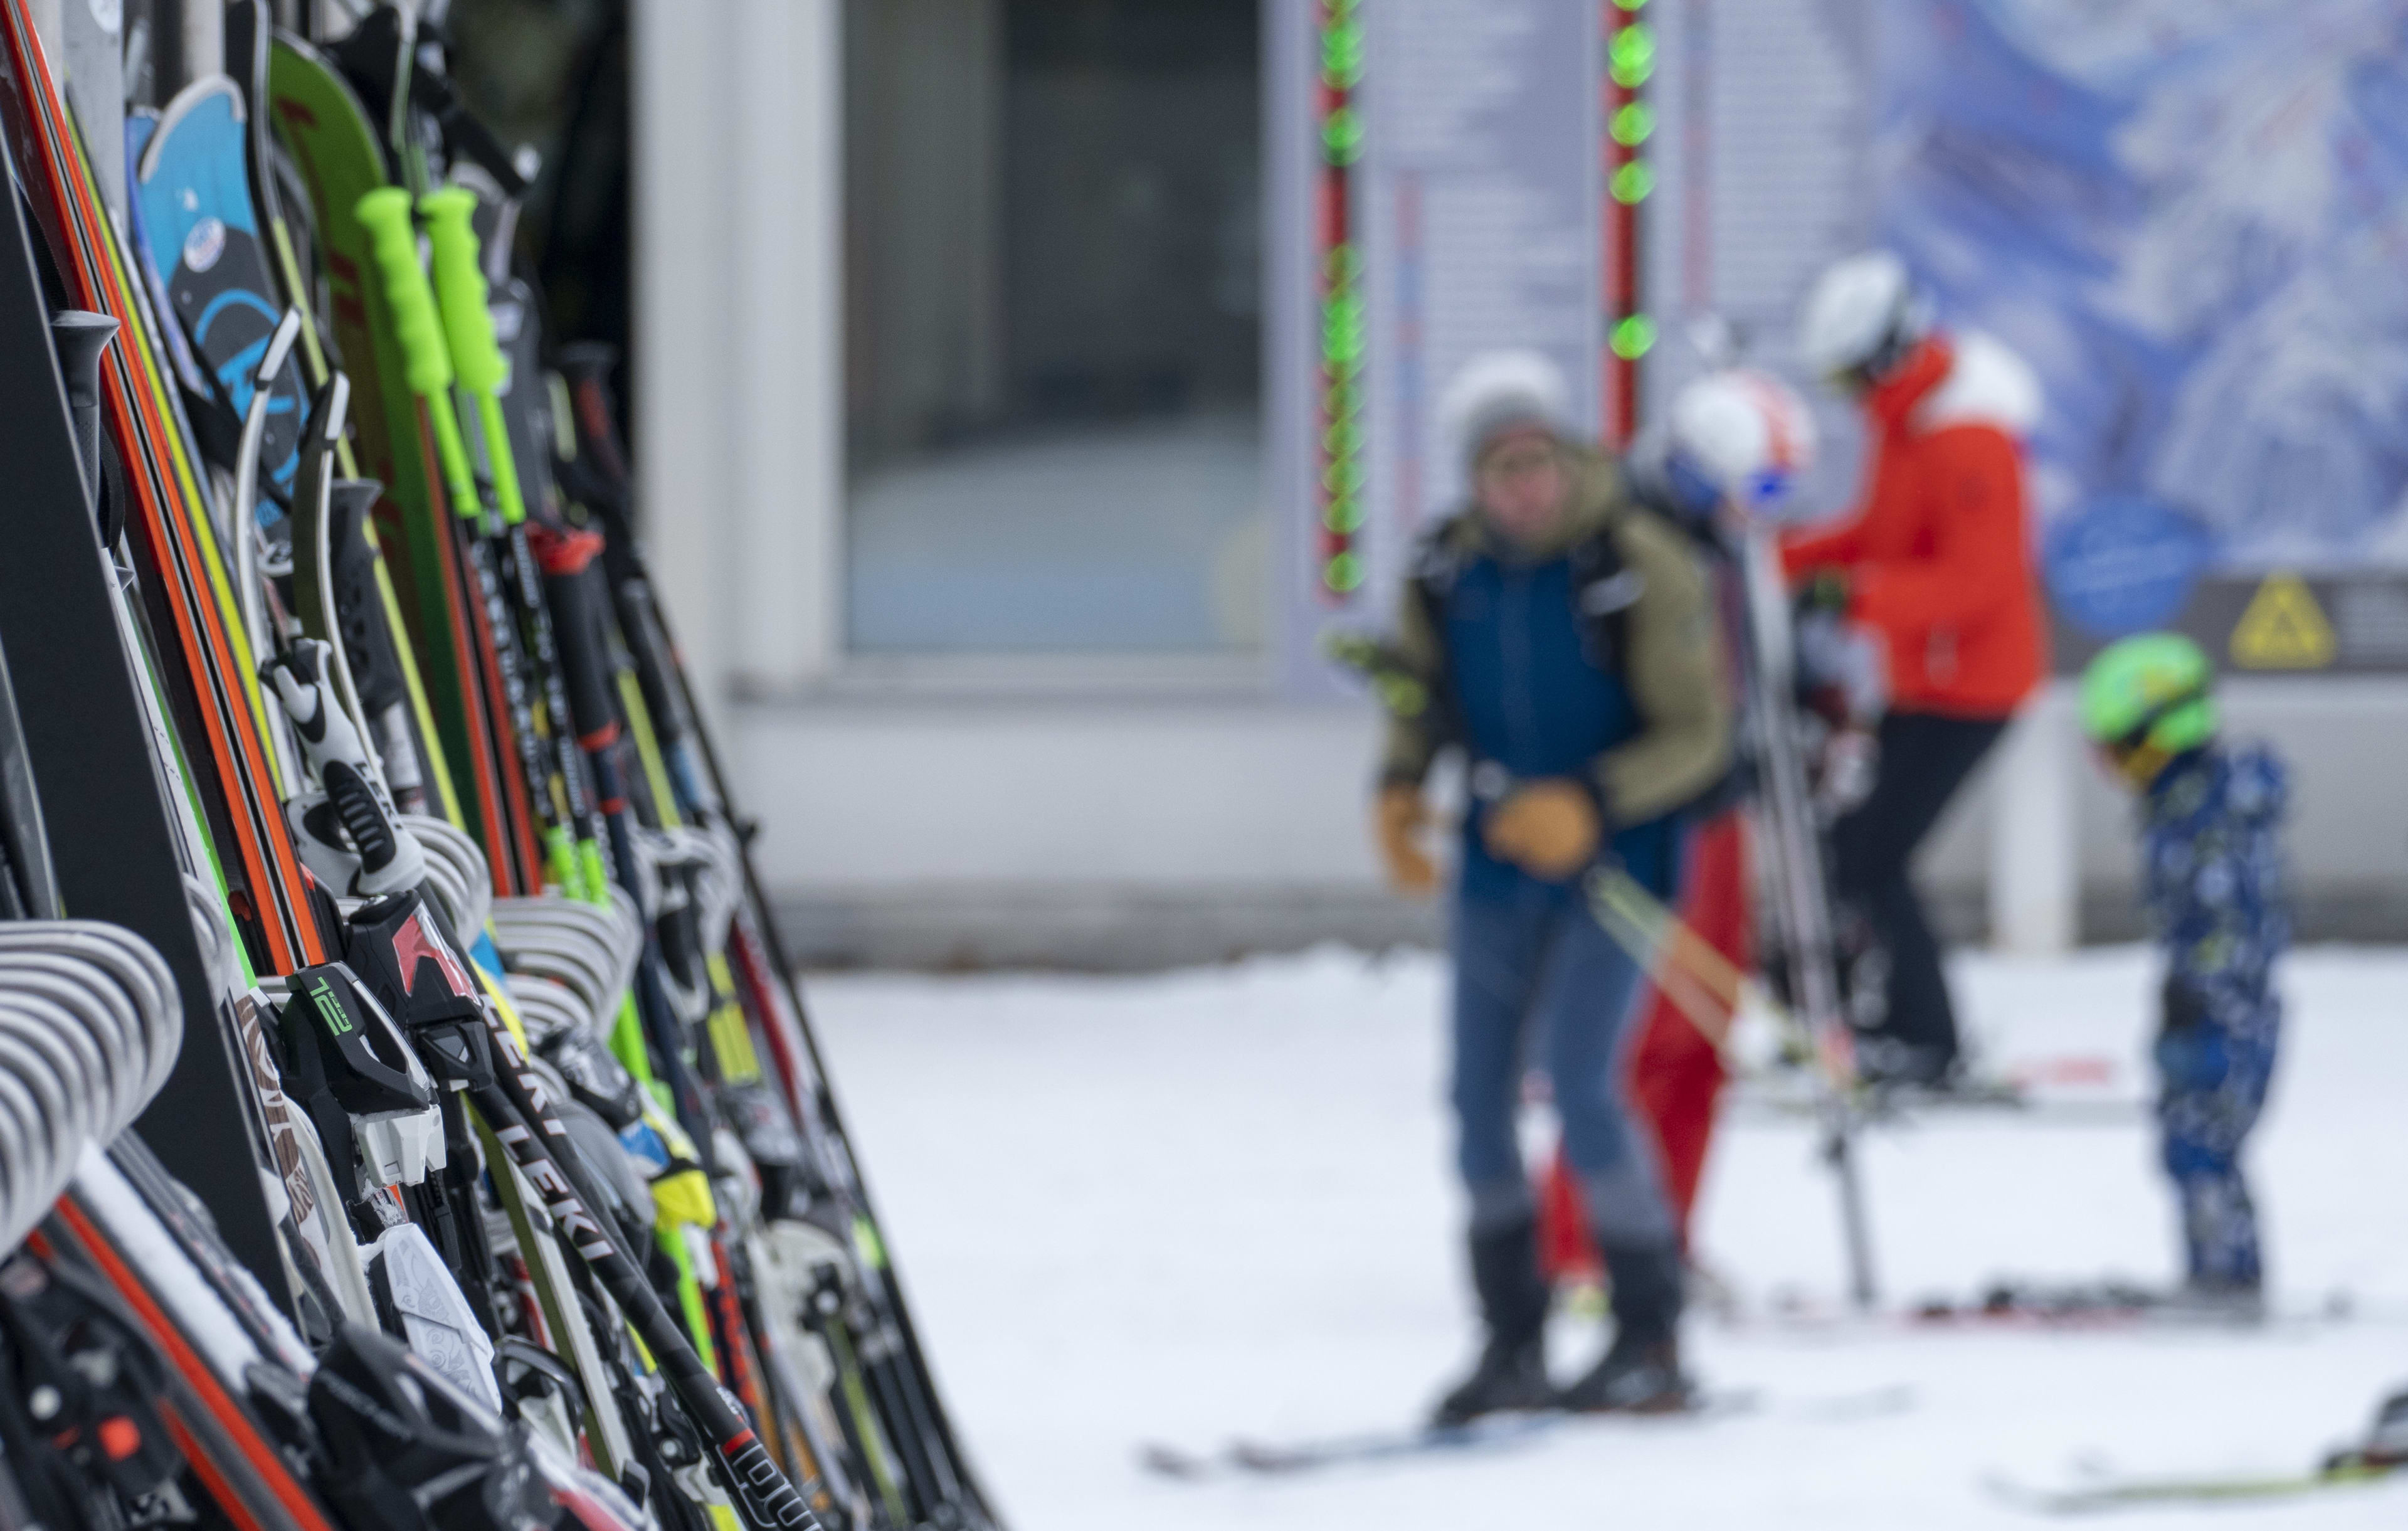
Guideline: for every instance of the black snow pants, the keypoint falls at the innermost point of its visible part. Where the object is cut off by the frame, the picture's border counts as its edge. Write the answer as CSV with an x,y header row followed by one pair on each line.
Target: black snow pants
x,y
1910,1028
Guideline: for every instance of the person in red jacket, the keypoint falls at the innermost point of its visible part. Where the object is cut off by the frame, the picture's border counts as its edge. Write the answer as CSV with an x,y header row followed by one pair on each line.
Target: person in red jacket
x,y
1937,564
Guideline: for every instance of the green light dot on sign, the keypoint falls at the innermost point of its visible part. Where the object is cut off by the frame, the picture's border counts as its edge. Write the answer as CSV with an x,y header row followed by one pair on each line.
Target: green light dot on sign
x,y
1633,181
1341,55
1633,125
1342,266
1342,574
1344,515
1341,329
1343,439
1630,58
1632,5
1341,137
1344,480
1342,399
1633,337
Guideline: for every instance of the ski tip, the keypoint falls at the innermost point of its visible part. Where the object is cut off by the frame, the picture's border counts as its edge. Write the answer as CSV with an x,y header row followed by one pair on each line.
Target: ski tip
x,y
1170,1462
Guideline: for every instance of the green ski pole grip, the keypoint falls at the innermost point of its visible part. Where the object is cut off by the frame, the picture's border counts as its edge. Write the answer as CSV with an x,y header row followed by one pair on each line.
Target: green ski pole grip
x,y
385,214
460,288
459,292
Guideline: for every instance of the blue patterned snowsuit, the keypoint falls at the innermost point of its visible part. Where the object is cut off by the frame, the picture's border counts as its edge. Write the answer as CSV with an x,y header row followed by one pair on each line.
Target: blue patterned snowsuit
x,y
2214,878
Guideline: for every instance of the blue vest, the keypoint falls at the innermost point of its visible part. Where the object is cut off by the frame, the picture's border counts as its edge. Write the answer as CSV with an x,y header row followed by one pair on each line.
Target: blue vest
x,y
1529,697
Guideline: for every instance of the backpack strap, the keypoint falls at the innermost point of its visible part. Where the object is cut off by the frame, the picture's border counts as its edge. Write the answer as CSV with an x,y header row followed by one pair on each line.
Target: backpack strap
x,y
1437,562
1604,589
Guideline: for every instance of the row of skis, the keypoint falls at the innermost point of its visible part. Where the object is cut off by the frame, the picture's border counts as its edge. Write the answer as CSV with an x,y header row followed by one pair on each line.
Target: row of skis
x,y
406,1117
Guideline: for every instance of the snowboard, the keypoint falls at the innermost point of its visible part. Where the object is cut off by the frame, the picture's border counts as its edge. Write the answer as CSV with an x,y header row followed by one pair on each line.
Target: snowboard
x,y
202,237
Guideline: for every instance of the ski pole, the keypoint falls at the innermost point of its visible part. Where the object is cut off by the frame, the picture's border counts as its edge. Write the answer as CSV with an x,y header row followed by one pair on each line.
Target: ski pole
x,y
567,562
384,213
1709,1011
555,782
1801,888
513,1105
1655,936
460,295
460,1036
754,946
462,300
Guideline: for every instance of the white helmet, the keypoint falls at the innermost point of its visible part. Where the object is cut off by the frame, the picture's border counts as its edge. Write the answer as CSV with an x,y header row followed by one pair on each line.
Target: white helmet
x,y
1746,435
1499,390
1859,315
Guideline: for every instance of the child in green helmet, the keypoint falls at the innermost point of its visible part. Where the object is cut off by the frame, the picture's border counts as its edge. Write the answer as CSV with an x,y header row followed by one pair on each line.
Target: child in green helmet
x,y
2212,876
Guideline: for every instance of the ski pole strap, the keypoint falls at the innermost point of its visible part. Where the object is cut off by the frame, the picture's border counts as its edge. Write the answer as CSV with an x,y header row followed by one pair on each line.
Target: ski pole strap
x,y
351,571
393,239
468,324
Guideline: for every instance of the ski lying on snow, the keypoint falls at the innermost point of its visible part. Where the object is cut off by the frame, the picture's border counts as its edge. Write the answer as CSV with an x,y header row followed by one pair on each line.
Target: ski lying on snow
x,y
2033,1100
1497,1432
2069,1308
2106,1495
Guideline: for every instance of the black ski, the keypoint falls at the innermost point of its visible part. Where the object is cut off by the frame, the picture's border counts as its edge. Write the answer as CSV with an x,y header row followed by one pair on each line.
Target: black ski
x,y
113,842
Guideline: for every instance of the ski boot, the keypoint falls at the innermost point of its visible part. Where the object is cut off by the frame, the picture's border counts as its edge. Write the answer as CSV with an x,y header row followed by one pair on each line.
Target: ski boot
x,y
2386,1443
2381,1452
1512,1372
1641,1373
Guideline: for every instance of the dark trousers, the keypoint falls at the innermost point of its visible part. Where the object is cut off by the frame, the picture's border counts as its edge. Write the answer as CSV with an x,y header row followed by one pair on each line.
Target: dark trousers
x,y
1924,757
1536,976
2214,1085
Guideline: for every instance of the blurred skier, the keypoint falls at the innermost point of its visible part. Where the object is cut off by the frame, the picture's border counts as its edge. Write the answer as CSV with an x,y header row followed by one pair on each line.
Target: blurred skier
x,y
1937,564
2212,873
1566,639
1732,443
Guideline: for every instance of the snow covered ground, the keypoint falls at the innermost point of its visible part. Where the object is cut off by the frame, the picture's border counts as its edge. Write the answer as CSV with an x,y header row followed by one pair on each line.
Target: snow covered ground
x,y
1214,1204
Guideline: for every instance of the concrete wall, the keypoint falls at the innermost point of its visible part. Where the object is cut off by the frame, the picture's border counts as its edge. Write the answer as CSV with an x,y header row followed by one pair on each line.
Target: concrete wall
x,y
1123,830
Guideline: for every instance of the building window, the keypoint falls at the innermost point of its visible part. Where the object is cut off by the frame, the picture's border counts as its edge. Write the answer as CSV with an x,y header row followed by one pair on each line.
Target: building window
x,y
1053,318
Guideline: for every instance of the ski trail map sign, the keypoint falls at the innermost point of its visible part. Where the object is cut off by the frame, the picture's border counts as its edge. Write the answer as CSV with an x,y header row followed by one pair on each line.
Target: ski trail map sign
x,y
2186,218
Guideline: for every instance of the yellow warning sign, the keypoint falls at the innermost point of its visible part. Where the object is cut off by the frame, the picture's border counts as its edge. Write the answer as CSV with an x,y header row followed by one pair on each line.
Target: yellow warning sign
x,y
2283,628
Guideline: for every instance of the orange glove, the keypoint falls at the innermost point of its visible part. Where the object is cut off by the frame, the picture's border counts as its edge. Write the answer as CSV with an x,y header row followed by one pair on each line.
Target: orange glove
x,y
1397,820
1549,828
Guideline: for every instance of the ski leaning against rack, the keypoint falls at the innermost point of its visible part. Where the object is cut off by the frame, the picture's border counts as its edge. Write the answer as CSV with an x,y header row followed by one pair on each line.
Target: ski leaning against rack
x,y
167,470
834,1197
393,943
260,711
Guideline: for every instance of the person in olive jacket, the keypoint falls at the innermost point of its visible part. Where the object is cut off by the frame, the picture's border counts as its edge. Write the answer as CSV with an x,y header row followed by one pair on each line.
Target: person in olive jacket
x,y
1565,637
